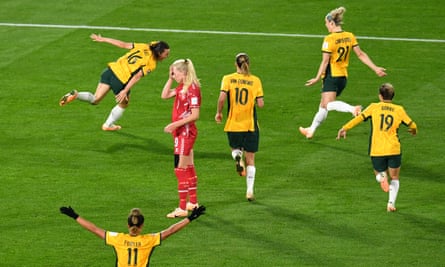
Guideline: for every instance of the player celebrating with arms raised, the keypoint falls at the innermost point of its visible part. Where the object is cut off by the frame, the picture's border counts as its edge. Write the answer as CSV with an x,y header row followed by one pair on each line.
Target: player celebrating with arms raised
x,y
132,249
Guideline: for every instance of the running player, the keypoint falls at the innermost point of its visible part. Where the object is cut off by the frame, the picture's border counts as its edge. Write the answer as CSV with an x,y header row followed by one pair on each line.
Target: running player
x,y
384,147
244,93
333,70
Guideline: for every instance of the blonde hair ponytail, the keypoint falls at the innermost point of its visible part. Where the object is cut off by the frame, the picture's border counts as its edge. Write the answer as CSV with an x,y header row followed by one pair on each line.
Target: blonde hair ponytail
x,y
336,15
186,66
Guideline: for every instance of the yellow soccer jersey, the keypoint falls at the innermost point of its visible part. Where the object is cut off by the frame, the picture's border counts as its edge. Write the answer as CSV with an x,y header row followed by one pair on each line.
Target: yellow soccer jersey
x,y
242,92
385,121
140,57
339,45
132,251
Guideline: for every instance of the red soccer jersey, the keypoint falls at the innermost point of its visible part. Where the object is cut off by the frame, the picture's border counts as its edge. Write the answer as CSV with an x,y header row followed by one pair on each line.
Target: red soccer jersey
x,y
183,105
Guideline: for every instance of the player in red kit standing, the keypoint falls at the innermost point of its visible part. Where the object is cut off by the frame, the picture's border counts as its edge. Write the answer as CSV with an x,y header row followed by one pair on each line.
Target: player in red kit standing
x,y
185,112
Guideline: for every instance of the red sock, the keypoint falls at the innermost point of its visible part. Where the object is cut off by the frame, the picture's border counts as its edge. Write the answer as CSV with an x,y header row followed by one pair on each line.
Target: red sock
x,y
183,187
193,184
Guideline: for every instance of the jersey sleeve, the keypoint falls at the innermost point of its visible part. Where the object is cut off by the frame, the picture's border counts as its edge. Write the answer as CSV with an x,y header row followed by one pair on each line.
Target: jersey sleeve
x,y
149,64
260,92
326,47
155,239
354,40
366,114
406,120
354,122
111,238
225,84
195,96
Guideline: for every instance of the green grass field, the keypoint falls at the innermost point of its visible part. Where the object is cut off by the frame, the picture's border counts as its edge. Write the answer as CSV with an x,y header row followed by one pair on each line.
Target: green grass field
x,y
317,201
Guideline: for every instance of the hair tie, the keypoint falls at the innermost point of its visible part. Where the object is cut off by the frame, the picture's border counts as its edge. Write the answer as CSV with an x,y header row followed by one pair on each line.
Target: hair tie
x,y
140,220
329,17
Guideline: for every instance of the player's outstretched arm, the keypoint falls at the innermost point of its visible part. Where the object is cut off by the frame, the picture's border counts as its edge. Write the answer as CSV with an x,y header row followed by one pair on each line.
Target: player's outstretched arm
x,y
115,42
365,59
181,224
68,211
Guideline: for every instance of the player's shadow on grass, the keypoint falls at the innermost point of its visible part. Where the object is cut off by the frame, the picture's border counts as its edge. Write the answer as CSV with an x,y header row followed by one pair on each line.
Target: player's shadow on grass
x,y
316,224
154,146
243,234
210,155
150,145
407,167
427,224
356,152
293,245
421,173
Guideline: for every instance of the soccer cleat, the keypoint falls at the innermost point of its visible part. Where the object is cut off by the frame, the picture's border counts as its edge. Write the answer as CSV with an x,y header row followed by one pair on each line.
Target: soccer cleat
x,y
191,206
240,166
68,98
250,196
305,131
112,127
390,207
384,183
357,111
178,212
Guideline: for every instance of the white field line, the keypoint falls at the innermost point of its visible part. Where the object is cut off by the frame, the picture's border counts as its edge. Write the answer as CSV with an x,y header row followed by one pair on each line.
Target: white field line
x,y
5,24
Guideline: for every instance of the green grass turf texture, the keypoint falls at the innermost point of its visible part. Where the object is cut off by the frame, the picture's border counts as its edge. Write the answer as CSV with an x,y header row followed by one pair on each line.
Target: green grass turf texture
x,y
317,200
